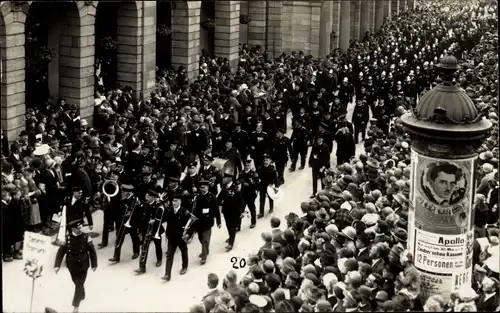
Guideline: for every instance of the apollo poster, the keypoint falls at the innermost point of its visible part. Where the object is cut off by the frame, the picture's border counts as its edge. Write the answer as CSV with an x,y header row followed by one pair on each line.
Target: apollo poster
x,y
442,194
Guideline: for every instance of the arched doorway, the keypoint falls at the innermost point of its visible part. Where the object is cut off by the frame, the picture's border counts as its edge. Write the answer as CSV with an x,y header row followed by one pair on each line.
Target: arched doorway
x,y
42,51
207,28
106,45
164,34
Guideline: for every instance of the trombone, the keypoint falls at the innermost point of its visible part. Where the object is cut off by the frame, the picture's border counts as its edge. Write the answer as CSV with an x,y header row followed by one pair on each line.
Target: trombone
x,y
160,211
127,218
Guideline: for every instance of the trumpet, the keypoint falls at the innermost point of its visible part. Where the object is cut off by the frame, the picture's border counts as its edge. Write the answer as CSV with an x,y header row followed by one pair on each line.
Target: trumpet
x,y
187,227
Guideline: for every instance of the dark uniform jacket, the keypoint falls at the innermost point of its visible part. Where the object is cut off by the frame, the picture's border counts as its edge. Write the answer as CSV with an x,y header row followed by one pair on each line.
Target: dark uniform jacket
x,y
218,142
80,253
241,141
197,140
250,182
260,142
320,156
176,222
267,176
206,208
300,136
269,127
281,147
232,204
77,210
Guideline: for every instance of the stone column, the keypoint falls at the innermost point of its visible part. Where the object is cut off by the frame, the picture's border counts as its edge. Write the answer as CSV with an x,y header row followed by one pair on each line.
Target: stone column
x,y
227,31
12,88
148,79
257,27
371,13
387,8
336,21
315,28
395,6
325,28
364,19
76,59
355,19
402,5
129,20
379,14
186,36
275,46
345,24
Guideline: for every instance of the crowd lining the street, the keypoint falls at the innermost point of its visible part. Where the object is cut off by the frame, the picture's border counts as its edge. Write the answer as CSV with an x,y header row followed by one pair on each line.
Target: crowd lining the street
x,y
348,252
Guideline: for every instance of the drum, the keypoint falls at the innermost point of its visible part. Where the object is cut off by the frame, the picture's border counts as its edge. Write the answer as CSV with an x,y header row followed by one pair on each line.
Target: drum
x,y
224,166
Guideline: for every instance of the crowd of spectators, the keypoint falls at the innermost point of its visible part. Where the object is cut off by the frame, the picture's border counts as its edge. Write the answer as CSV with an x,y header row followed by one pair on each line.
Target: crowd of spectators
x,y
348,252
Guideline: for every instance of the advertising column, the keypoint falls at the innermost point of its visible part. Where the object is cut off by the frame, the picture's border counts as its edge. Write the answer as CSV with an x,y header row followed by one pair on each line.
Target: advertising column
x,y
443,229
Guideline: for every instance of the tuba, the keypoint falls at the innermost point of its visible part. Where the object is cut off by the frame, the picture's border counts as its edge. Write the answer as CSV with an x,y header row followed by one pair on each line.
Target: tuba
x,y
110,189
187,227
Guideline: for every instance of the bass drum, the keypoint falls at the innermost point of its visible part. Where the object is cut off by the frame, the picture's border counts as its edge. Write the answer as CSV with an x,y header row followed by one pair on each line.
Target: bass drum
x,y
224,166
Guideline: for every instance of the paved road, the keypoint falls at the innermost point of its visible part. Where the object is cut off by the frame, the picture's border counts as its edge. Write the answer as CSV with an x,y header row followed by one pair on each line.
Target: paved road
x,y
116,288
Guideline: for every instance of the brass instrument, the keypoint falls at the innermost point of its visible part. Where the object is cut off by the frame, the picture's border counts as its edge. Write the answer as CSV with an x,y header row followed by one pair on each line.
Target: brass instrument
x,y
127,217
224,166
187,227
110,189
149,231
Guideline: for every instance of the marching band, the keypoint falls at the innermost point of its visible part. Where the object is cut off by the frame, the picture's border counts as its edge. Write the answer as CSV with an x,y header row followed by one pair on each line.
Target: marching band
x,y
188,203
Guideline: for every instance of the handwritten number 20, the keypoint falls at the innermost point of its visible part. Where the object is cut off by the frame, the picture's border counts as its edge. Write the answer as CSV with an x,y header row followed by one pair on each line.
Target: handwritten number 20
x,y
237,265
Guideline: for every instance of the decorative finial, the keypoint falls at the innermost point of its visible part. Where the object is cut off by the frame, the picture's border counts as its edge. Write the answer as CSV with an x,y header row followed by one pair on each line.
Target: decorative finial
x,y
448,65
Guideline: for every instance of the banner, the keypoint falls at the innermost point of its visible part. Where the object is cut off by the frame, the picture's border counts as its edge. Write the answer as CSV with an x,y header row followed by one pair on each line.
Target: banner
x,y
36,248
443,195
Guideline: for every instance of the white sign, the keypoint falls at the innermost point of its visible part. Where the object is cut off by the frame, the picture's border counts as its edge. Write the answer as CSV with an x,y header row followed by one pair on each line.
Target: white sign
x,y
36,247
444,254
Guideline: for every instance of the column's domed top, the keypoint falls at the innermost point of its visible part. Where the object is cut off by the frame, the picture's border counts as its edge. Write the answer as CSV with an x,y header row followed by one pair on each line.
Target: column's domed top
x,y
447,102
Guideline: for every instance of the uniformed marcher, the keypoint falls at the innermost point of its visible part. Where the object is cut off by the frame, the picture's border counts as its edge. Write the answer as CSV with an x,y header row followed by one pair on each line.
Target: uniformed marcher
x,y
206,209
281,147
219,139
76,208
259,144
232,154
232,207
360,117
267,176
319,160
241,140
211,173
172,167
190,183
80,255
152,225
129,211
177,218
250,183
145,184
299,141
197,141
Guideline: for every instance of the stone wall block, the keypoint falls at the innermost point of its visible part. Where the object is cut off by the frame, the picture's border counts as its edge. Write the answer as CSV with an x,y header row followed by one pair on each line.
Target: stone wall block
x,y
17,99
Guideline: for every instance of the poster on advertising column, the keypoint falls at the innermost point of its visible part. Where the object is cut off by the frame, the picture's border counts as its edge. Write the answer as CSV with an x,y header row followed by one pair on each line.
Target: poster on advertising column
x,y
443,220
443,195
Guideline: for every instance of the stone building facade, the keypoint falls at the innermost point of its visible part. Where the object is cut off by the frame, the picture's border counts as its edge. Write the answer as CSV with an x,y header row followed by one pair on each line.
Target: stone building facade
x,y
313,26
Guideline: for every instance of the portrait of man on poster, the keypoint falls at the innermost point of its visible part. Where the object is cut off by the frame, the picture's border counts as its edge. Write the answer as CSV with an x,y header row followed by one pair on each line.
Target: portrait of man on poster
x,y
443,183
